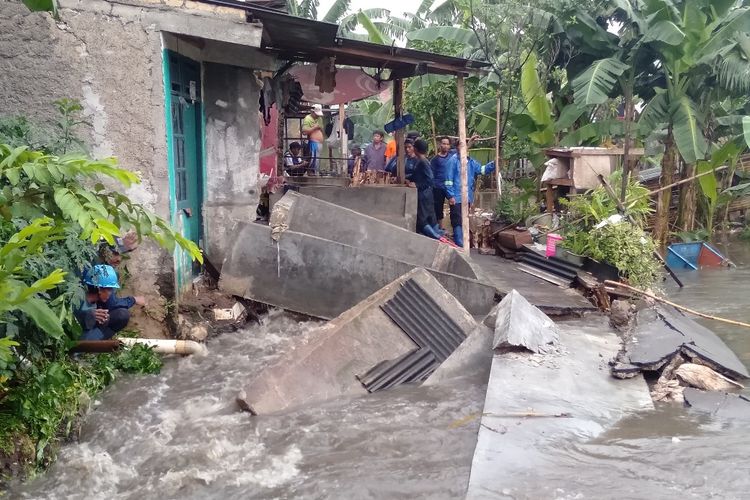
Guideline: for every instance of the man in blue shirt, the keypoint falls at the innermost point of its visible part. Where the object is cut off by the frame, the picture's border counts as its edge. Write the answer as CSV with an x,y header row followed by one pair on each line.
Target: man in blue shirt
x,y
439,165
453,190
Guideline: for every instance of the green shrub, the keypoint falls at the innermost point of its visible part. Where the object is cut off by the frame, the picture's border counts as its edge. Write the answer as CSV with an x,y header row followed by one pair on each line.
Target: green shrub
x,y
629,249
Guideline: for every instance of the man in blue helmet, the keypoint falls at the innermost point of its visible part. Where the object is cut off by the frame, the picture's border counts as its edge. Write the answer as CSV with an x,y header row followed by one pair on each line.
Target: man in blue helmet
x,y
453,190
100,317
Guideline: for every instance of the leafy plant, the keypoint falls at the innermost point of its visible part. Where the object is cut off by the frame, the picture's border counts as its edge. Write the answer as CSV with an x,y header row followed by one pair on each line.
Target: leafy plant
x,y
629,249
517,204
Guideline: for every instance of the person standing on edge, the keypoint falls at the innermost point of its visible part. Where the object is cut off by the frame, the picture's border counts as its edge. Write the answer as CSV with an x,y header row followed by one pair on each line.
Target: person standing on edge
x,y
453,190
439,165
374,157
312,127
422,179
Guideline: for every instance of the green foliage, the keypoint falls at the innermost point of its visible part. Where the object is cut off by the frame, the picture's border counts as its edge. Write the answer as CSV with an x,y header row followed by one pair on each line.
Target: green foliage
x,y
48,395
137,359
596,205
516,205
594,85
629,249
35,184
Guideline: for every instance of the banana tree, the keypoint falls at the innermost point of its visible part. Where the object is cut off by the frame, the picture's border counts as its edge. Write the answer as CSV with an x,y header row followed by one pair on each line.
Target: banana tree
x,y
683,49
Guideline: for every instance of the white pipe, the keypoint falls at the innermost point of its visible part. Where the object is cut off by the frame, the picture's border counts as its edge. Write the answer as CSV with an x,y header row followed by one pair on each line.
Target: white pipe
x,y
162,346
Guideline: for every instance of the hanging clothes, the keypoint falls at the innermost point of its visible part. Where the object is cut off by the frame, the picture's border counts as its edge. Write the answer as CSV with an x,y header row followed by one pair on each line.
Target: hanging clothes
x,y
325,75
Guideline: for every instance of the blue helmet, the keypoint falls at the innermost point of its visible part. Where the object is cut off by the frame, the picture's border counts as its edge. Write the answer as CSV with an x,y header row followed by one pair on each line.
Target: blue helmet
x,y
101,276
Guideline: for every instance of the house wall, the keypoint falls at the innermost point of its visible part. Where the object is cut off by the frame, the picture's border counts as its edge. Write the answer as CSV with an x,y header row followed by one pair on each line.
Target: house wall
x,y
108,55
232,127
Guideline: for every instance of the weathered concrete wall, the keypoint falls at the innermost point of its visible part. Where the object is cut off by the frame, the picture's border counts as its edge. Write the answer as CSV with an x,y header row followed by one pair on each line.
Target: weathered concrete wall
x,y
323,278
230,97
308,215
108,55
396,205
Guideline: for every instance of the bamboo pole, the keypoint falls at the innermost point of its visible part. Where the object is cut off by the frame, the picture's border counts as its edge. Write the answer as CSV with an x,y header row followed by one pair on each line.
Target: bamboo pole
x,y
464,161
676,306
434,134
683,181
344,139
398,99
498,176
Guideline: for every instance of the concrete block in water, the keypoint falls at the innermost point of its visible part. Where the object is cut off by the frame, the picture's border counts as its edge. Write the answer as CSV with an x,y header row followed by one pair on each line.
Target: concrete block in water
x,y
323,278
519,324
720,404
316,217
538,406
326,363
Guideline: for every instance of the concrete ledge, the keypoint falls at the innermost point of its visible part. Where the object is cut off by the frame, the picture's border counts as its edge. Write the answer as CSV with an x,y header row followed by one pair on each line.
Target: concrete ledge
x,y
322,278
315,217
570,397
394,204
326,363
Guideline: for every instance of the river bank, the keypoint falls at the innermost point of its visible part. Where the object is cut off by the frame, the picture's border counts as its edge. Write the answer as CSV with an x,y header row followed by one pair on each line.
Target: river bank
x,y
178,434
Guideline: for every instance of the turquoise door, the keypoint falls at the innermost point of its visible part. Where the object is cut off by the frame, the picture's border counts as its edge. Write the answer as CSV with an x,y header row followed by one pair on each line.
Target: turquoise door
x,y
185,152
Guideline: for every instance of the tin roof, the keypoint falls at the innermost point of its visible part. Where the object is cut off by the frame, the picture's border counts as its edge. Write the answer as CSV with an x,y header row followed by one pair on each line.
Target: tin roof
x,y
298,39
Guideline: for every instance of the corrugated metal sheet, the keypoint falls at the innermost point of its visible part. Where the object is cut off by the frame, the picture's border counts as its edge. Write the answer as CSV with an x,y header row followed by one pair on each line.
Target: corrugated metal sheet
x,y
424,321
551,265
414,366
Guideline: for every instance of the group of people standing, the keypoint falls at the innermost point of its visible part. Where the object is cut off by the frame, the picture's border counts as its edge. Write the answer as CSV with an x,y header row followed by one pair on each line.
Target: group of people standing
x,y
437,179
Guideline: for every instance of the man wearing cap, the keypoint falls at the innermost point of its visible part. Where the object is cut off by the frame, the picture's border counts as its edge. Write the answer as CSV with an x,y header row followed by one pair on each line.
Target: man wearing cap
x,y
312,127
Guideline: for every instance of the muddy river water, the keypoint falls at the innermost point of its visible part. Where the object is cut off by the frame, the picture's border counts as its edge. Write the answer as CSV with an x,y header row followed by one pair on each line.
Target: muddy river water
x,y
178,435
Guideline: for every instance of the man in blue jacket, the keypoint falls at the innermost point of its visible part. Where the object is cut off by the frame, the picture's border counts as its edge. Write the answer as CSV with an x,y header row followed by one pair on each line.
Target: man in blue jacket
x,y
102,314
440,163
453,190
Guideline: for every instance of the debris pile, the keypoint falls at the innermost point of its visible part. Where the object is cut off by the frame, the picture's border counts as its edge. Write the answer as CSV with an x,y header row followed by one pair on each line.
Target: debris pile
x,y
677,352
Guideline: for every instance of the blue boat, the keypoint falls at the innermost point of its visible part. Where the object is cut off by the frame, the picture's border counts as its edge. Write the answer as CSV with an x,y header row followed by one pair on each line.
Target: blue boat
x,y
694,255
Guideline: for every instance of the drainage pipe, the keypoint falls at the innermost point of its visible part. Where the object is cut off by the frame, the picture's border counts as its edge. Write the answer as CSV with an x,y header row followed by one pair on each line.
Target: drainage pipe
x,y
160,346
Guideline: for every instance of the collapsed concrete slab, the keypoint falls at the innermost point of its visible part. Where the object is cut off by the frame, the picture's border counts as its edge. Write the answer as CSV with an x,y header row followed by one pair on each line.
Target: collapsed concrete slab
x,y
334,357
662,333
315,217
519,324
537,404
323,278
393,204
719,404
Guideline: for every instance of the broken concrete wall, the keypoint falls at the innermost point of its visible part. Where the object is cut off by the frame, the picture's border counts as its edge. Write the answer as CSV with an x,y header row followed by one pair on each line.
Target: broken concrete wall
x,y
323,278
232,153
328,361
393,204
308,215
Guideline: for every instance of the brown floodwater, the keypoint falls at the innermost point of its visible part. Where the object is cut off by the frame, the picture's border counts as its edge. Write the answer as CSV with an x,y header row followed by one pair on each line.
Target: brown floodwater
x,y
178,435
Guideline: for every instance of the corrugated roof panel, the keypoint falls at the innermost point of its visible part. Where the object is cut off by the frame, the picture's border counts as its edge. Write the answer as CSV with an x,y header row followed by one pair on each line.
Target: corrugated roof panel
x,y
424,321
413,366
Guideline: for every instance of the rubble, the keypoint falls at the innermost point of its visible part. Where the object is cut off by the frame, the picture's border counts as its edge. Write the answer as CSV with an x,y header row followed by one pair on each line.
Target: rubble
x,y
718,404
703,377
519,324
662,333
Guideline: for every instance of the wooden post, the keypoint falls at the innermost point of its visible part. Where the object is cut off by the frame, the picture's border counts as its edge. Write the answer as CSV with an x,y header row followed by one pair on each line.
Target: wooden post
x,y
434,135
344,139
498,176
398,98
464,161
